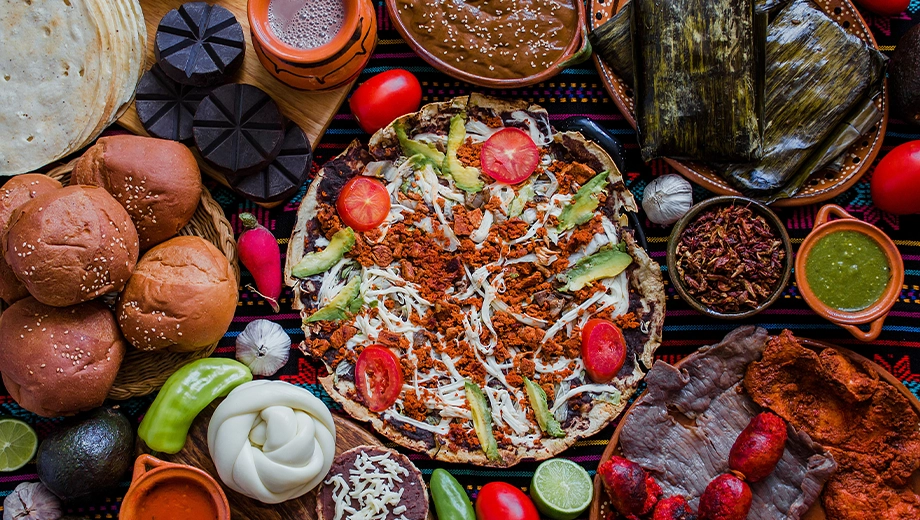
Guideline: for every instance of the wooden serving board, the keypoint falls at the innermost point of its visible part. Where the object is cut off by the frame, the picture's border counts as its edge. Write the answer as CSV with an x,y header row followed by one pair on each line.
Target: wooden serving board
x,y
312,110
601,507
195,453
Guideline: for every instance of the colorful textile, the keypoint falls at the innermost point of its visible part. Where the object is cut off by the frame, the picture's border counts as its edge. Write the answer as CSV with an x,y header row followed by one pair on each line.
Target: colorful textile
x,y
576,91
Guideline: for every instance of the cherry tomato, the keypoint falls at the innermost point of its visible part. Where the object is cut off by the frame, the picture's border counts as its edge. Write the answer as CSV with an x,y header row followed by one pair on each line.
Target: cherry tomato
x,y
509,156
384,97
603,349
896,180
888,7
378,377
501,501
363,203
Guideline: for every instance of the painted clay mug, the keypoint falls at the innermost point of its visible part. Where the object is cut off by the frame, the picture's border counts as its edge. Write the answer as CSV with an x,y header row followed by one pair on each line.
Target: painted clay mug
x,y
326,67
874,315
186,491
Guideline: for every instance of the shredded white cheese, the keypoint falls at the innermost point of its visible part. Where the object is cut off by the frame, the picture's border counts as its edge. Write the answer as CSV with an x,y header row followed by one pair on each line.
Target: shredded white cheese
x,y
373,489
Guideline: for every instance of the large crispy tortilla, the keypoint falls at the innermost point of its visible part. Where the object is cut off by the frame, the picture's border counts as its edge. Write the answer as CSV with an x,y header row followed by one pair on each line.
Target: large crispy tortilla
x,y
646,289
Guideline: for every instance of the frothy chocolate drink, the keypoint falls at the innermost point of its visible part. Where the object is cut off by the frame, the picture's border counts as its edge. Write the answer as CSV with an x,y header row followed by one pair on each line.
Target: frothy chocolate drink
x,y
306,24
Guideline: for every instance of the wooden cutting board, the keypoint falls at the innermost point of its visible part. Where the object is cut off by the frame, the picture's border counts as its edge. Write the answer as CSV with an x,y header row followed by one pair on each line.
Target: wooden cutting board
x,y
195,453
313,111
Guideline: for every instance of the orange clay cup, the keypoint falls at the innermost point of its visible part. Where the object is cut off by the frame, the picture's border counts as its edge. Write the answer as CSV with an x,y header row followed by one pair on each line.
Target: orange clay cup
x,y
207,500
874,314
326,67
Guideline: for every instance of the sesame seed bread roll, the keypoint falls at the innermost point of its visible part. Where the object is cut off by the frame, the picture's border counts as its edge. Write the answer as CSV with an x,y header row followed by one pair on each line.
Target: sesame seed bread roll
x,y
71,245
59,360
157,181
16,192
181,297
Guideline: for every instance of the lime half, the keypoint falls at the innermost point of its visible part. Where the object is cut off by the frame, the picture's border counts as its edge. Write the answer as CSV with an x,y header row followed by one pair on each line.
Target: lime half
x,y
561,489
18,443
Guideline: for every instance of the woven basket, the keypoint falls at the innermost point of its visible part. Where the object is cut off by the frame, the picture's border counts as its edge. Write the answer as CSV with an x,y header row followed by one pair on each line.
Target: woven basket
x,y
144,372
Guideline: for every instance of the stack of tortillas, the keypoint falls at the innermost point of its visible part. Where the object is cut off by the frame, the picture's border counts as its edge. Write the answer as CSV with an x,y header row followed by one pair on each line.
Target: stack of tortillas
x,y
68,69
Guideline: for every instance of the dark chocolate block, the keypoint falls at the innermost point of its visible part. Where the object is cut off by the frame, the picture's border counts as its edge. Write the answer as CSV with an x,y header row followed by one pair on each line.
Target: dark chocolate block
x,y
238,130
167,108
285,175
200,44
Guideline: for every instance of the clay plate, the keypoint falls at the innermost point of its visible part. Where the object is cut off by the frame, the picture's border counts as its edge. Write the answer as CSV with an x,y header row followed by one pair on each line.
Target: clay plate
x,y
600,508
820,186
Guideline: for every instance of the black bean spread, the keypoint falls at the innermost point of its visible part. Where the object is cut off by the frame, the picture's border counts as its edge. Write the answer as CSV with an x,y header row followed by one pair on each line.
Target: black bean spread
x,y
492,38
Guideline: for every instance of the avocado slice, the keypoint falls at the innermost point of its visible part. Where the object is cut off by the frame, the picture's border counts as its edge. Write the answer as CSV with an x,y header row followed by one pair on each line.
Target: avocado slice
x,y
482,419
525,195
347,302
545,419
320,261
603,264
465,177
584,203
88,454
410,147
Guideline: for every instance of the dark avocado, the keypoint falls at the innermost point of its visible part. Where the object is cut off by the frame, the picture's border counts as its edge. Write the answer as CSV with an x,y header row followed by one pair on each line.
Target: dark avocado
x,y
86,454
904,76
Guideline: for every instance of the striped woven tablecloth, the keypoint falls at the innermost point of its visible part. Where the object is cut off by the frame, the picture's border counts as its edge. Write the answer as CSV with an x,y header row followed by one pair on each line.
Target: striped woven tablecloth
x,y
576,91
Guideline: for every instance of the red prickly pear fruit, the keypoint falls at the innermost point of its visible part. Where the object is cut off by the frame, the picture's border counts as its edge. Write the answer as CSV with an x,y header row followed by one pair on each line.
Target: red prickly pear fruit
x,y
631,489
673,508
727,497
759,447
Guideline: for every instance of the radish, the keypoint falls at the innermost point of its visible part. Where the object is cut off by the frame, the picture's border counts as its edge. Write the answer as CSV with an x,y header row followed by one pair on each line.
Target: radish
x,y
261,255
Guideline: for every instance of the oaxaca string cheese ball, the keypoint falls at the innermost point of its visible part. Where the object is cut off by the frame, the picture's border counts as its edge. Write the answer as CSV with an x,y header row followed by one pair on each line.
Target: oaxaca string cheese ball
x,y
71,245
271,441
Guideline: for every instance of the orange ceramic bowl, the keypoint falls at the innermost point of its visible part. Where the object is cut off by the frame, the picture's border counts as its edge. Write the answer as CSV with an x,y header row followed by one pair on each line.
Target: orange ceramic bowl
x,y
326,67
166,491
875,314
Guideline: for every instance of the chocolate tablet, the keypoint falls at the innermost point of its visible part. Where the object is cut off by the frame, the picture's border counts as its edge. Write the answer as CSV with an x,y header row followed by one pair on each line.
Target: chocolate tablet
x,y
167,108
238,129
199,44
285,175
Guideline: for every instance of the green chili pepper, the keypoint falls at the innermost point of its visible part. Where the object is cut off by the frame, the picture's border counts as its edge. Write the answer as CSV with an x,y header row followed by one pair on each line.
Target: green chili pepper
x,y
450,500
184,395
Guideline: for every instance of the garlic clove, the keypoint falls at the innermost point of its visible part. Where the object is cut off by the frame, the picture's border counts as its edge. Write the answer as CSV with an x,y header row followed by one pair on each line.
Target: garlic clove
x,y
263,346
31,501
667,198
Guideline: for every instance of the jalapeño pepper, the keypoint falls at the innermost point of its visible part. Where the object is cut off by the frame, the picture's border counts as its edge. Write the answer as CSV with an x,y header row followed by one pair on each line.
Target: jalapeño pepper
x,y
450,500
184,395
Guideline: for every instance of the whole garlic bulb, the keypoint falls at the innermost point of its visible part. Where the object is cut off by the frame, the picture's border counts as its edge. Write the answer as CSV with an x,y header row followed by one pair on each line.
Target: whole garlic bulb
x,y
31,501
263,346
667,198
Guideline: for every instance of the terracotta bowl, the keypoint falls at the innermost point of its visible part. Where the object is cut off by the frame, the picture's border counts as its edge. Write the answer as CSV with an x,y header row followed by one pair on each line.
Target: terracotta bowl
x,y
875,314
325,67
578,50
759,209
150,472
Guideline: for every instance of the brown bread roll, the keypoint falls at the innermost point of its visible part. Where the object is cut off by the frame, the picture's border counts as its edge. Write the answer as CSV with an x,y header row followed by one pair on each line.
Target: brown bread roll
x,y
156,180
182,296
71,245
16,192
59,360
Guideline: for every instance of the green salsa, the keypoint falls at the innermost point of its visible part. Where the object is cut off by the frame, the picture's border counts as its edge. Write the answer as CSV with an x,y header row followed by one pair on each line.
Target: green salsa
x,y
847,270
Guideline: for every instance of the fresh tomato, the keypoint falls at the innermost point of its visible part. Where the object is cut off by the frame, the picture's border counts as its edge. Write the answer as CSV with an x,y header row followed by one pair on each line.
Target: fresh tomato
x,y
896,180
378,377
509,156
501,501
603,349
384,97
363,203
888,7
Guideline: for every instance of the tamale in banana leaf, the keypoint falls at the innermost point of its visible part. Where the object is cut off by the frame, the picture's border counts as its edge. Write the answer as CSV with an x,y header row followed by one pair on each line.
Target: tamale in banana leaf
x,y
612,41
698,79
817,74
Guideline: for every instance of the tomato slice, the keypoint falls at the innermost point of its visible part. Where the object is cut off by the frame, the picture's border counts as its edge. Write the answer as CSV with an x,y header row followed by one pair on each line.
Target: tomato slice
x,y
603,349
509,156
378,377
363,204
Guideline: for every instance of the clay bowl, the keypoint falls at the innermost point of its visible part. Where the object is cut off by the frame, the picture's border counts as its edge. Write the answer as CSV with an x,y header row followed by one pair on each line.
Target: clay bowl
x,y
759,209
601,508
875,314
578,50
149,472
